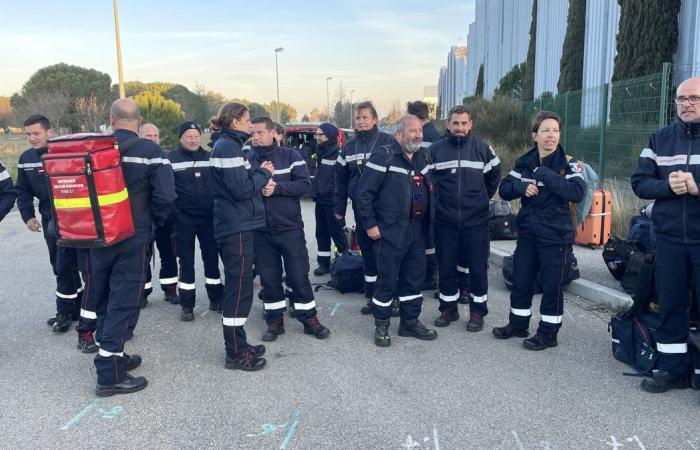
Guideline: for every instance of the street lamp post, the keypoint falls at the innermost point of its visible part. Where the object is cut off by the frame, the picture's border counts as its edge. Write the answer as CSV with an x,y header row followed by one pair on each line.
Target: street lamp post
x,y
328,99
277,77
351,108
122,94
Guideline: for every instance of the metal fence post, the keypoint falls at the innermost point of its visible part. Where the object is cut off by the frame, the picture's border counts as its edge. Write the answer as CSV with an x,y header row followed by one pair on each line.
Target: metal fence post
x,y
566,121
603,126
663,93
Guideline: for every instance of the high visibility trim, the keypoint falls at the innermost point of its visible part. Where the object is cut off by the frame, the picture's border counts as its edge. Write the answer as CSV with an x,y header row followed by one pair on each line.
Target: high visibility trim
x,y
320,253
289,169
104,353
148,285
449,298
4,175
575,175
186,286
397,169
370,279
615,341
328,162
29,165
427,168
172,280
227,163
212,281
146,161
675,160
189,165
479,298
275,305
672,348
66,296
408,298
341,161
355,157
382,304
491,164
521,312
697,371
425,144
88,314
84,202
234,321
648,153
376,167
462,269
515,174
304,306
80,289
429,251
552,319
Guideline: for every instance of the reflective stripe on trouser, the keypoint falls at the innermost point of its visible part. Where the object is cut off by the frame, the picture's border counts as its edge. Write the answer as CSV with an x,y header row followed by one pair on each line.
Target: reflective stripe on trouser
x,y
67,281
166,253
187,229
327,228
367,248
271,249
237,256
88,316
677,265
464,247
118,275
401,268
550,261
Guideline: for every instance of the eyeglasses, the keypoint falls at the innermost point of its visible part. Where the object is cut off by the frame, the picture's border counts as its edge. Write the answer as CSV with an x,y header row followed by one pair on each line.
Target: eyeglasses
x,y
693,100
319,134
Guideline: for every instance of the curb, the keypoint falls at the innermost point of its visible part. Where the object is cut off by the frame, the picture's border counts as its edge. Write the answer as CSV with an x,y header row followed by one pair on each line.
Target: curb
x,y
583,288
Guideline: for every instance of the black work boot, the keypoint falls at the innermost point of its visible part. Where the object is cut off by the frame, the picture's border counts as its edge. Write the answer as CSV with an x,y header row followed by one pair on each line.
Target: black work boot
x,y
447,316
540,342
381,333
245,361
395,307
256,350
129,385
86,342
476,322
367,309
464,297
131,361
508,332
274,329
321,270
662,381
61,323
170,295
414,328
187,314
313,326
215,306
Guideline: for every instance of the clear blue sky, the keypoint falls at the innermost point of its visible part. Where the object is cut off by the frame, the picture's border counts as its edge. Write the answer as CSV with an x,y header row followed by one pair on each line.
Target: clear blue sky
x,y
384,50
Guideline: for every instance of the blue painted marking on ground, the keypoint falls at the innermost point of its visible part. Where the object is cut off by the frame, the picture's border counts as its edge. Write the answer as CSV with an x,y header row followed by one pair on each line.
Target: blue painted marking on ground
x,y
335,308
74,421
292,429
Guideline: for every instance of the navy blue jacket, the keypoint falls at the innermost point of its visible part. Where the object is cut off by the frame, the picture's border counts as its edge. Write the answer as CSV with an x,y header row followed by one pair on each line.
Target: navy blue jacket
x,y
192,182
545,217
384,194
237,186
324,181
674,147
32,182
283,208
467,172
149,180
7,193
350,164
430,133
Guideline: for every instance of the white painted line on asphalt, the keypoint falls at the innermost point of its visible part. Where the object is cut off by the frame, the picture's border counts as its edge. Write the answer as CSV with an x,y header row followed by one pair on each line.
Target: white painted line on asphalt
x,y
436,442
517,441
335,308
204,313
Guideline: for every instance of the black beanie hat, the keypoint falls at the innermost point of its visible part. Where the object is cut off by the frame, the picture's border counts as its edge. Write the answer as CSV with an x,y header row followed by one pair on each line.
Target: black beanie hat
x,y
330,130
188,125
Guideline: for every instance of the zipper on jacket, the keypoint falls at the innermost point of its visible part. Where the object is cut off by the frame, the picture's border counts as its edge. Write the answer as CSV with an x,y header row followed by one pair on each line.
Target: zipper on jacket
x,y
459,183
685,197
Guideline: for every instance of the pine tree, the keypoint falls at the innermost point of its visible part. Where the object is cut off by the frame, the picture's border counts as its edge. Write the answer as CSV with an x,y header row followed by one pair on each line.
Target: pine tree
x,y
571,64
529,74
479,91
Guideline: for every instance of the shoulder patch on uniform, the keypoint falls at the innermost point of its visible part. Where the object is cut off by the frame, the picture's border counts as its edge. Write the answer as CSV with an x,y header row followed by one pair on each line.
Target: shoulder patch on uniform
x,y
493,152
576,167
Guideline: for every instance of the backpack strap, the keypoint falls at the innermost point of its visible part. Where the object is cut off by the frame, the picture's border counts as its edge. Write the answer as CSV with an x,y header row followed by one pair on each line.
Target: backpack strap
x,y
130,143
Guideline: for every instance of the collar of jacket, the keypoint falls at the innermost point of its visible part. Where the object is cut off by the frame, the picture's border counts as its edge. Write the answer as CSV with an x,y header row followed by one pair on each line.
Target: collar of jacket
x,y
555,160
458,141
326,147
366,135
190,153
127,133
265,151
691,130
237,135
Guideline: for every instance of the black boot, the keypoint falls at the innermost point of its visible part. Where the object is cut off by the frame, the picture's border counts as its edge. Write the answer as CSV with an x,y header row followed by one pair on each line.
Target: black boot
x,y
662,381
131,361
413,328
171,295
464,297
274,329
246,361
257,350
313,326
215,306
86,342
508,332
187,314
381,333
447,316
129,385
476,322
395,307
321,270
540,342
61,323
367,309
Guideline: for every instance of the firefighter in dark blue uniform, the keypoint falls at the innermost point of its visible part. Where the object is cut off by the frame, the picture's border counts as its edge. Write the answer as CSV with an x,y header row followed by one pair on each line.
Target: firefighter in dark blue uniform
x,y
394,203
348,169
194,205
7,193
118,272
667,172
238,211
327,226
282,239
467,172
31,183
164,241
545,181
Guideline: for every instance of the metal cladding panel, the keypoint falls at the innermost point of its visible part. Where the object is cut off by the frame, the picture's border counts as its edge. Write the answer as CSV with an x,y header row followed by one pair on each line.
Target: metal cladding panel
x,y
688,56
472,45
551,30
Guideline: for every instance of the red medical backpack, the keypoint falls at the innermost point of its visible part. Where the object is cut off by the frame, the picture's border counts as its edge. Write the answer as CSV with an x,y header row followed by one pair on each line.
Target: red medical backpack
x,y
88,193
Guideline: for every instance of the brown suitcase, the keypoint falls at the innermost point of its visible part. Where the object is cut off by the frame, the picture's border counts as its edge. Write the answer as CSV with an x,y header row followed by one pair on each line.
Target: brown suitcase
x,y
595,229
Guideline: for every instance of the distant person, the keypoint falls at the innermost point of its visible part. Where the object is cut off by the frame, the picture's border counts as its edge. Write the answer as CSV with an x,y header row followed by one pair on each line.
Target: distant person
x,y
168,276
32,183
194,219
348,169
279,133
545,182
667,172
7,193
327,226
420,109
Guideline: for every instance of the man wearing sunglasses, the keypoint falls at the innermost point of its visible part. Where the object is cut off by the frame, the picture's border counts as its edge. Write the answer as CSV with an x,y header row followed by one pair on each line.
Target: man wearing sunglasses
x,y
667,172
